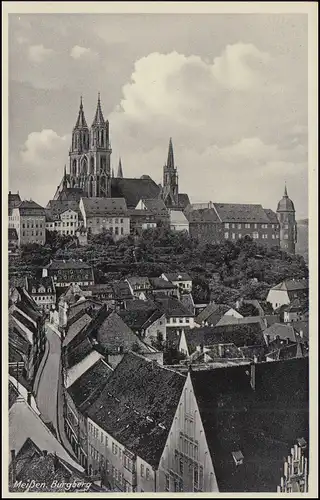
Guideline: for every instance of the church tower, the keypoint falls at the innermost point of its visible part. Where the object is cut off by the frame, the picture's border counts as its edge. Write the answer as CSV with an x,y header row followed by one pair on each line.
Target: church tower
x,y
90,155
170,193
288,225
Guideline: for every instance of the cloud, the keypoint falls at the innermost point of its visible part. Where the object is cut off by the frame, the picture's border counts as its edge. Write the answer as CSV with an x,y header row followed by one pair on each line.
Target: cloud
x,y
44,146
77,52
38,53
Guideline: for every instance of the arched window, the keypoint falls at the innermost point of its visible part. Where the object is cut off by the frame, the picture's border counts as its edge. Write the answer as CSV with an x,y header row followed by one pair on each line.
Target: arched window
x,y
103,164
84,166
90,187
74,167
92,165
103,186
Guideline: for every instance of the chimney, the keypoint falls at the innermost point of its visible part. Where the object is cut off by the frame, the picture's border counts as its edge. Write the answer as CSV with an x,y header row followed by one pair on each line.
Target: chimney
x,y
44,453
253,376
287,341
14,465
29,398
9,192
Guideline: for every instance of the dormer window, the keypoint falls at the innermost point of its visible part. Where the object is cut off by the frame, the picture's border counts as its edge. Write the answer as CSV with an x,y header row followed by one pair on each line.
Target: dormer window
x,y
237,457
34,290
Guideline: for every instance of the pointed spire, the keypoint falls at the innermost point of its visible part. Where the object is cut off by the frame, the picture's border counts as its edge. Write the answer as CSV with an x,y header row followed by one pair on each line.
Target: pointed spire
x,y
120,172
285,190
170,161
64,182
81,121
98,118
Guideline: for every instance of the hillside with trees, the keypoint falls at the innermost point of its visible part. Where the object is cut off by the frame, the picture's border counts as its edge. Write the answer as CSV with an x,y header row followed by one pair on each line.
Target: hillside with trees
x,y
221,272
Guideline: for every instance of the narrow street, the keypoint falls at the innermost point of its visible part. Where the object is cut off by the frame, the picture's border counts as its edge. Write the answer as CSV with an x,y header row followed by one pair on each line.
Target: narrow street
x,y
48,387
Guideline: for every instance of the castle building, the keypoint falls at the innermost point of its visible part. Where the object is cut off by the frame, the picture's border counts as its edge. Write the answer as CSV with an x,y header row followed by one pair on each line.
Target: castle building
x,y
287,221
90,176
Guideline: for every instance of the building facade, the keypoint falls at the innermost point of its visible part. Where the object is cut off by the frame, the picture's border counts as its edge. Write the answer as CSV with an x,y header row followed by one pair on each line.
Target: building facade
x,y
29,220
43,292
105,214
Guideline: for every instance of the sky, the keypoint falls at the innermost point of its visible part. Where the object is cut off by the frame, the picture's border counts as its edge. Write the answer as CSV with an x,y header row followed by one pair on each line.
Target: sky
x,y
230,89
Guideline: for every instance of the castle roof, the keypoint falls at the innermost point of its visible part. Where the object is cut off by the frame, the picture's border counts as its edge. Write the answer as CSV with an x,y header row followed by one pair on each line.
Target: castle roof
x,y
285,204
239,212
103,206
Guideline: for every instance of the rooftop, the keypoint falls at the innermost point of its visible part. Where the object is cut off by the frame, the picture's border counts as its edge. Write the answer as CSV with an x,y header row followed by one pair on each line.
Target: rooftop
x,y
132,190
138,404
231,212
263,423
103,206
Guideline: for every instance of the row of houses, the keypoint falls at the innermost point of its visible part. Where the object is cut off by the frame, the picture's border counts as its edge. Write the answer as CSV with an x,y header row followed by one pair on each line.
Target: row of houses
x,y
144,427
28,221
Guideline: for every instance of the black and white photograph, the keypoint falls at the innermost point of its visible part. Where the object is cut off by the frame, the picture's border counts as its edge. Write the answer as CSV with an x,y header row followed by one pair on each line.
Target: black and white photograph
x,y
158,188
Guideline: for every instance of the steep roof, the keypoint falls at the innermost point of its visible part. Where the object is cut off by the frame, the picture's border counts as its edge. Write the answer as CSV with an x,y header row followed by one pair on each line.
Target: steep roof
x,y
202,215
263,423
25,423
228,320
29,207
139,319
172,306
238,334
104,206
238,212
183,200
178,276
56,207
34,466
12,234
155,205
289,352
272,216
90,384
112,332
138,404
212,314
160,283
13,200
292,285
13,394
132,190
177,216
77,326
283,331
285,204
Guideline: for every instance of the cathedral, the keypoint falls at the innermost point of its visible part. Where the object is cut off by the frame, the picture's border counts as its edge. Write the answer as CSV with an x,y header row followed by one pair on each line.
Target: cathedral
x,y
90,174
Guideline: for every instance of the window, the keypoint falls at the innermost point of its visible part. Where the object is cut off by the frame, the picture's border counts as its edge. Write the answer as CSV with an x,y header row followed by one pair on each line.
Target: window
x,y
233,226
116,230
142,470
226,225
195,477
147,474
233,236
23,225
181,466
106,440
122,230
121,221
247,226
167,482
239,226
101,437
226,235
239,235
116,221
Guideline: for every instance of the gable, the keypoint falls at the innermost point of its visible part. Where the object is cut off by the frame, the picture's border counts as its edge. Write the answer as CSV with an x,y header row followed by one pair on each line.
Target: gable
x,y
187,438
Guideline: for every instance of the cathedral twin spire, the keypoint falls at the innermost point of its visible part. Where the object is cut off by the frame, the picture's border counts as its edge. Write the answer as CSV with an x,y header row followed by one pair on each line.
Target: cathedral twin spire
x,y
98,117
